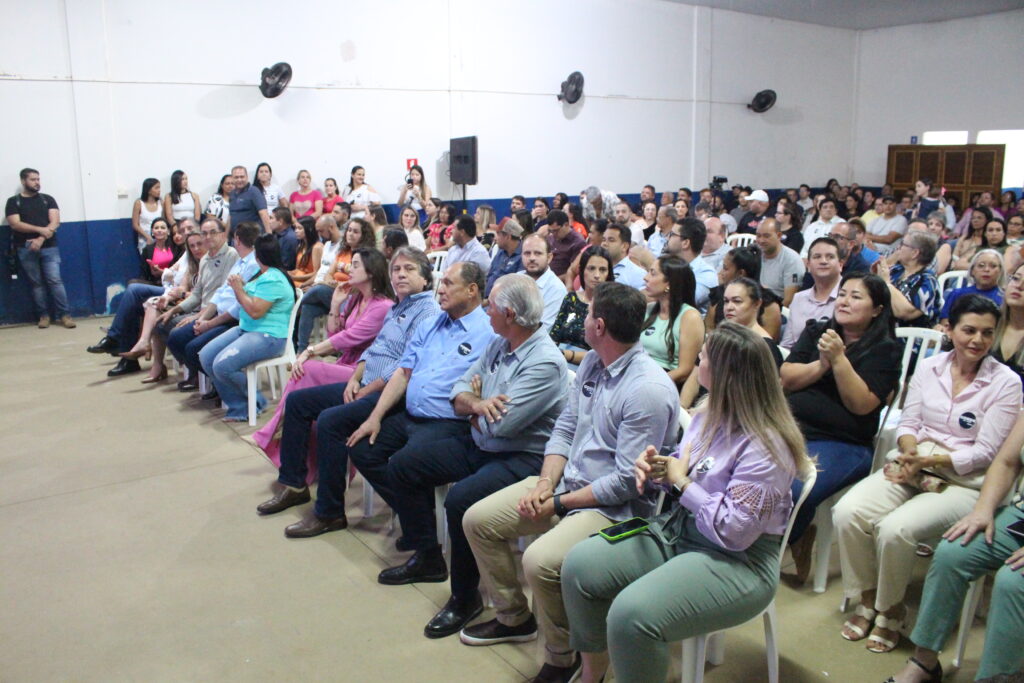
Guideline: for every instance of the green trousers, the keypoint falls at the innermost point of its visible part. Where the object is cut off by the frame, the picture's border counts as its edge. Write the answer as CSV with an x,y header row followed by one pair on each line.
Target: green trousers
x,y
637,596
953,567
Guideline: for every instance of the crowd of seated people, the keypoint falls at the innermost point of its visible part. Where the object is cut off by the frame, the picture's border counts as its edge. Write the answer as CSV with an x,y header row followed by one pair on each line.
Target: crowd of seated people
x,y
540,368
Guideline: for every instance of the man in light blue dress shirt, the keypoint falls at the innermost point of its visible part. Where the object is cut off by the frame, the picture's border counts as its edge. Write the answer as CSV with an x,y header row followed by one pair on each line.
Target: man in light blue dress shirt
x,y
439,354
337,409
467,247
513,393
537,264
692,234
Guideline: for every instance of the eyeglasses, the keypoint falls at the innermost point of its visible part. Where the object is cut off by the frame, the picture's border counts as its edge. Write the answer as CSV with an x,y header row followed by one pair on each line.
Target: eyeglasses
x,y
209,233
837,236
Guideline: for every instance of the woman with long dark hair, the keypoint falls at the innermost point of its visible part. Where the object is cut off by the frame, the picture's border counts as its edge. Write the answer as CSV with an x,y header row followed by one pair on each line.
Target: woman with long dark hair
x,y
358,194
414,191
350,328
159,254
973,239
180,202
439,233
838,377
310,250
263,179
145,210
744,262
673,331
219,204
567,331
266,303
331,194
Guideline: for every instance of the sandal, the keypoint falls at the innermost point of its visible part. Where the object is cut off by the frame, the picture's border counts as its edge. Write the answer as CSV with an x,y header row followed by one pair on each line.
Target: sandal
x,y
933,674
886,645
861,633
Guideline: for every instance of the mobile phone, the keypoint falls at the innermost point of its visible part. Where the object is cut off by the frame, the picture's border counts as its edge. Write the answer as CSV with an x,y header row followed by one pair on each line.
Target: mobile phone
x,y
631,527
1017,530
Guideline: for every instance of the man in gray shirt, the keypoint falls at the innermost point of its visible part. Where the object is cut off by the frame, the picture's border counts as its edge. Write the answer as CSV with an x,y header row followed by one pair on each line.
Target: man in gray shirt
x,y
620,403
782,269
512,393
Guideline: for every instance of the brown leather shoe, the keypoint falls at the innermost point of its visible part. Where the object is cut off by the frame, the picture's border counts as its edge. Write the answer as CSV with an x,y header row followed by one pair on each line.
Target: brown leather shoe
x,y
314,526
44,322
68,322
285,498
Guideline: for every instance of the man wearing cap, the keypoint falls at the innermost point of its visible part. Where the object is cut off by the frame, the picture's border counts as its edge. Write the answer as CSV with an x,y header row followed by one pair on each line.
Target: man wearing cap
x,y
509,258
886,232
757,211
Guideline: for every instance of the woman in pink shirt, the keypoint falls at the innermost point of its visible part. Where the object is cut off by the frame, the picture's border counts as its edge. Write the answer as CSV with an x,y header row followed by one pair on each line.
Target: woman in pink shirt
x,y
960,408
351,330
306,201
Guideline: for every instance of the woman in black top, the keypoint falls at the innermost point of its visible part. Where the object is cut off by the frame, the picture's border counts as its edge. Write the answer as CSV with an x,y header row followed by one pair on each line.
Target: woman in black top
x,y
790,218
744,262
1008,347
567,330
839,375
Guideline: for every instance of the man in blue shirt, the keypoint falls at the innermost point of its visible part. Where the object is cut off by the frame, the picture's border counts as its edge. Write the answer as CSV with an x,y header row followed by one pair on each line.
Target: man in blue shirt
x,y
221,314
509,257
692,234
337,409
247,201
512,394
287,241
440,351
617,241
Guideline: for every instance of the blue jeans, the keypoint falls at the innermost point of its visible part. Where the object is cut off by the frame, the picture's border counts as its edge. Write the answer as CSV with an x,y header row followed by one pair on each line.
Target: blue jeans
x,y
42,268
315,303
839,465
224,360
185,345
125,328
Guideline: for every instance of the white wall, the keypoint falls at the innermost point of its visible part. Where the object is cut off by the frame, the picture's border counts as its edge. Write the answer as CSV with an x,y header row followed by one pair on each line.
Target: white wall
x,y
951,75
108,92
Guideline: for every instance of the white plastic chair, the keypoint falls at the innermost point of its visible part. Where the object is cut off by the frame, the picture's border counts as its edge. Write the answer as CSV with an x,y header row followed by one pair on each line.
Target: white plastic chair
x,y
280,364
740,239
950,280
436,260
967,613
711,647
930,341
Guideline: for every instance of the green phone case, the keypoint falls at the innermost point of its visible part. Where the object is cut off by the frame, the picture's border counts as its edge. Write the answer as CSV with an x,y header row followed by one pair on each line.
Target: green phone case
x,y
624,534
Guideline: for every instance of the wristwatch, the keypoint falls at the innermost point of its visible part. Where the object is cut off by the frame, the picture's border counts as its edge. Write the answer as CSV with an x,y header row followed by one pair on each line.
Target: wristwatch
x,y
310,350
677,489
560,509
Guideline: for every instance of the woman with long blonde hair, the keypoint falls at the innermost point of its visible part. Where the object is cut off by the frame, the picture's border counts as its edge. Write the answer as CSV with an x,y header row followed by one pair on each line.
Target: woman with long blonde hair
x,y
712,560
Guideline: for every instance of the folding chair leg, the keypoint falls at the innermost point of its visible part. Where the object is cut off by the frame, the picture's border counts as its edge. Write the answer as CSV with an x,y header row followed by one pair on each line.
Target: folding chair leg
x,y
970,608
771,649
251,380
822,545
693,659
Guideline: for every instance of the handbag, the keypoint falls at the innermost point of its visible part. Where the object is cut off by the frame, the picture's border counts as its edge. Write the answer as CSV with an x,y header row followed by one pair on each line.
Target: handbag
x,y
935,479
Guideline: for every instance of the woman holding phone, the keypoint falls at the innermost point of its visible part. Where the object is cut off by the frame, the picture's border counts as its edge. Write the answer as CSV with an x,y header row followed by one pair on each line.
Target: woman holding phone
x,y
712,560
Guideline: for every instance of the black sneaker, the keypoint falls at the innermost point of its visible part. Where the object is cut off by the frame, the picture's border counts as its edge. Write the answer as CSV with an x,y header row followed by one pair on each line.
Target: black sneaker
x,y
549,673
493,632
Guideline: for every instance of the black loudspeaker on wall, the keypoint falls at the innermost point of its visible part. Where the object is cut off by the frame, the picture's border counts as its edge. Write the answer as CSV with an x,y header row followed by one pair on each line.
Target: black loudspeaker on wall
x,y
462,155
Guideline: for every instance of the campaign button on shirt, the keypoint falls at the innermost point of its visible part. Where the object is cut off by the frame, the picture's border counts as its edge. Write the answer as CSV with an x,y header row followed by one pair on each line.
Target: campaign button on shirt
x,y
588,388
465,348
968,420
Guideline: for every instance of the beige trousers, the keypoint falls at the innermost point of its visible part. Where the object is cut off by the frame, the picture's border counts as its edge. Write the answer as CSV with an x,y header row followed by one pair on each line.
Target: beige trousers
x,y
494,521
879,525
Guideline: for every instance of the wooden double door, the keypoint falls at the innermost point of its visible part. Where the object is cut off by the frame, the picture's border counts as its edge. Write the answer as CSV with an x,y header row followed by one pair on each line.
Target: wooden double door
x,y
964,170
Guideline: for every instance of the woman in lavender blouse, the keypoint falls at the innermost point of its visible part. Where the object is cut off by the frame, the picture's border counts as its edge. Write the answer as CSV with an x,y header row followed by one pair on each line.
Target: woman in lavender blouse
x,y
712,560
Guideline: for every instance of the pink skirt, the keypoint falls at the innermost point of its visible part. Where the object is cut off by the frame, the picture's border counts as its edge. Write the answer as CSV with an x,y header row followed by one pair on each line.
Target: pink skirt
x,y
317,375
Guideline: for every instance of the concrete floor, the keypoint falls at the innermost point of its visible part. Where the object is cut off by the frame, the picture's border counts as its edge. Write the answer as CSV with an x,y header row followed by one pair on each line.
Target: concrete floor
x,y
130,549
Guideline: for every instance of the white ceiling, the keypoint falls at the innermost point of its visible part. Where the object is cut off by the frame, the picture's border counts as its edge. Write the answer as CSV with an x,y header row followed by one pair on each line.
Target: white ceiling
x,y
863,14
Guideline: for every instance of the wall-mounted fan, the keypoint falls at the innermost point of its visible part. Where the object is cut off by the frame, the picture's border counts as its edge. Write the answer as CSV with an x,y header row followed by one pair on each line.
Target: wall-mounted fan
x,y
762,102
275,79
572,88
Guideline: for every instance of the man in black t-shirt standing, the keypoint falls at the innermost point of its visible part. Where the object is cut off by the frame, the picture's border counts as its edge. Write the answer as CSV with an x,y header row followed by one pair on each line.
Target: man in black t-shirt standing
x,y
34,219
